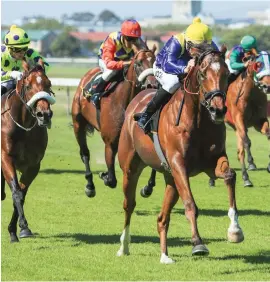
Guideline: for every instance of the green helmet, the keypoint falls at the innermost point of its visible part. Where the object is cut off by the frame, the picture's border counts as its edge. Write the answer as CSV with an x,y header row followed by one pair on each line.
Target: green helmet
x,y
248,42
16,37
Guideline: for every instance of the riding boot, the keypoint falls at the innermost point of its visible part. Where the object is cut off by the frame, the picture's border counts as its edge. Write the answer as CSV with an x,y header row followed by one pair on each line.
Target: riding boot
x,y
3,90
97,92
161,98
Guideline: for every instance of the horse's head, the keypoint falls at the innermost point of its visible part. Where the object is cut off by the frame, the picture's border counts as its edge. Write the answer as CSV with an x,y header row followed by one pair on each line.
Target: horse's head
x,y
212,76
141,68
35,92
261,69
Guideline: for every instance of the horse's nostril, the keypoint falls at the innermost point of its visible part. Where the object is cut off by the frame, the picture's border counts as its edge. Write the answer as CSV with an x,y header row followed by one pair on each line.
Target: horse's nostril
x,y
212,109
39,114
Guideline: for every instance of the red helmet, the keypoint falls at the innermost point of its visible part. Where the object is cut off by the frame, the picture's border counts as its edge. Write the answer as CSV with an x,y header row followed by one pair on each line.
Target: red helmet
x,y
131,28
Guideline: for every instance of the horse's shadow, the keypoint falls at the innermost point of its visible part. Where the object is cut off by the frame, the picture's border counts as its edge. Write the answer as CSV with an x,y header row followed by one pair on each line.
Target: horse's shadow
x,y
206,212
60,171
135,239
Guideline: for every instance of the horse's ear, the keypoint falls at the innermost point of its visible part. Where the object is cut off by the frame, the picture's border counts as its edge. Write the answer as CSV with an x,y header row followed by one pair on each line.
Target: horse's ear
x,y
41,63
25,66
154,48
223,50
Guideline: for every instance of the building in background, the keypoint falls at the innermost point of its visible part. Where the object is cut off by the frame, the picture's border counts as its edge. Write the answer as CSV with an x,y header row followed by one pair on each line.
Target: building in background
x,y
183,12
40,39
260,17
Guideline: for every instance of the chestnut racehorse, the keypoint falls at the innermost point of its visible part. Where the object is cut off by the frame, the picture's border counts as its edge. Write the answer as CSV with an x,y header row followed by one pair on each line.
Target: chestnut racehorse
x,y
112,113
247,107
25,115
196,145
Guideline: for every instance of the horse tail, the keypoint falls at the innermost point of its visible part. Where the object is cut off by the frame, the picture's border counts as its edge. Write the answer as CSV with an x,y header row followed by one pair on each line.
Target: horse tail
x,y
89,129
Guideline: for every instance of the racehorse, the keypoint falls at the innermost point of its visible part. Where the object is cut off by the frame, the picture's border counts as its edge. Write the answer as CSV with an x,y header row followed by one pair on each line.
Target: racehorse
x,y
111,116
26,114
247,107
196,145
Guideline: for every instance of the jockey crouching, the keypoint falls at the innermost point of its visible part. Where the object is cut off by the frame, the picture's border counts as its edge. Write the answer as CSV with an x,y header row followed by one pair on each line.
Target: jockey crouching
x,y
176,58
13,52
114,54
240,55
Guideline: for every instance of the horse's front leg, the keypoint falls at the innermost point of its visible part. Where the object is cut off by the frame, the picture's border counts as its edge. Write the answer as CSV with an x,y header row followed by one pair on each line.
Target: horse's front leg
x,y
242,144
191,211
263,126
223,171
171,197
18,196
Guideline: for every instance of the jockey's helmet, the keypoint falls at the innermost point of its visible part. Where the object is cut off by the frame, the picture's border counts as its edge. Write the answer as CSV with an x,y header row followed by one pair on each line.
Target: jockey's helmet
x,y
248,43
198,32
16,37
131,28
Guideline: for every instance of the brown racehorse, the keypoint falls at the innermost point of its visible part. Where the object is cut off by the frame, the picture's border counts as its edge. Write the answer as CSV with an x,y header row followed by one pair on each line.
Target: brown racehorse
x,y
247,107
112,113
196,145
26,114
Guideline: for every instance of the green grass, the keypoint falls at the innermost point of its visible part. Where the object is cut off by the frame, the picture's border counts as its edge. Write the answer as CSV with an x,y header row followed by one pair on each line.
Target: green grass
x,y
69,71
77,238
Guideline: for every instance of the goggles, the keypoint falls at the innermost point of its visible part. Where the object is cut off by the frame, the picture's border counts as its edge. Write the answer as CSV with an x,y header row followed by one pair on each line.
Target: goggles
x,y
19,50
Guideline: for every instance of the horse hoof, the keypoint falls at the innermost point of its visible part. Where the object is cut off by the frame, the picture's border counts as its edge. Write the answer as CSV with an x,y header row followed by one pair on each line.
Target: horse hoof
x,y
107,182
236,237
121,253
212,183
248,183
25,233
268,168
166,260
146,191
14,238
252,167
90,193
200,250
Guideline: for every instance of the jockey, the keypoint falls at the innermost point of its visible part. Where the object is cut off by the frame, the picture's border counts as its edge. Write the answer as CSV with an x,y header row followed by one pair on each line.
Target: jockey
x,y
13,51
246,49
115,53
176,58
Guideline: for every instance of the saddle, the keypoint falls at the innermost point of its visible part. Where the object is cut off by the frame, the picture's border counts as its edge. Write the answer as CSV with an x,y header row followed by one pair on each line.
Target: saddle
x,y
92,84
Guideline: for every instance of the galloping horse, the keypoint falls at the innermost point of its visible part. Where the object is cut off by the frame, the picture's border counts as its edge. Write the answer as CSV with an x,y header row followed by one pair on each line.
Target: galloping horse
x,y
196,145
85,115
26,114
247,107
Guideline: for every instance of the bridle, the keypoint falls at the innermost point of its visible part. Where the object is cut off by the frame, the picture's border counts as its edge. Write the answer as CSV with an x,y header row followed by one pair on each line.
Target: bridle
x,y
23,98
138,69
208,96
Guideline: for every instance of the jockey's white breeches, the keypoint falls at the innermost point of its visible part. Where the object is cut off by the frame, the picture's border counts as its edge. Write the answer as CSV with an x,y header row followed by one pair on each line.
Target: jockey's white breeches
x,y
9,84
169,82
107,73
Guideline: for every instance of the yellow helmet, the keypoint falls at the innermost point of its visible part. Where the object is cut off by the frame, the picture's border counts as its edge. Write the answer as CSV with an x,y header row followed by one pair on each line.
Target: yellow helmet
x,y
16,37
198,32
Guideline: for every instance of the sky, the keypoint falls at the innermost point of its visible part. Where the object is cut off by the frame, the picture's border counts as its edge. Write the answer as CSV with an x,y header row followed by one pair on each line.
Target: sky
x,y
12,10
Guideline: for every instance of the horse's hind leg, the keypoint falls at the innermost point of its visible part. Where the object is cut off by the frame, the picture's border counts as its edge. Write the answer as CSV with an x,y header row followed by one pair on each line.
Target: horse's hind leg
x,y
223,170
147,190
109,177
263,126
3,182
79,126
171,197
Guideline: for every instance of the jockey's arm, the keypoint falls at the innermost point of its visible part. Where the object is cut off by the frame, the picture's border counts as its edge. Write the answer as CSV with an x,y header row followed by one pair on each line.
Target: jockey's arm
x,y
109,49
34,56
171,62
235,61
6,67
